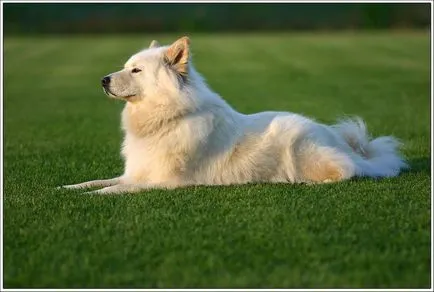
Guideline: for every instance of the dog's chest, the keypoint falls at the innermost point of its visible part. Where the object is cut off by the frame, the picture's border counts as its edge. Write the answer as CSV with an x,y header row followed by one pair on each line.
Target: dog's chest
x,y
147,160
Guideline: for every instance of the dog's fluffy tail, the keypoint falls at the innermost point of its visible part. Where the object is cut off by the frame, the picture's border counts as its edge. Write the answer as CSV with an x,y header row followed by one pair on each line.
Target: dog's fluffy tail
x,y
379,157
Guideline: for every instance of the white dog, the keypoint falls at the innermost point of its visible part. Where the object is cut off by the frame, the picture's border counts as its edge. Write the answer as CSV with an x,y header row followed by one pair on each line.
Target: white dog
x,y
178,132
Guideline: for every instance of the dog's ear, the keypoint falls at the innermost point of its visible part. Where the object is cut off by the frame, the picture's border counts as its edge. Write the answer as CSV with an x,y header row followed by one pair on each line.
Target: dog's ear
x,y
154,44
177,55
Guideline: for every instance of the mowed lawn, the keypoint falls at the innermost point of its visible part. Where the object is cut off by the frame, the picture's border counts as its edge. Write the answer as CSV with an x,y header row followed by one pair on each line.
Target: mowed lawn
x,y
59,128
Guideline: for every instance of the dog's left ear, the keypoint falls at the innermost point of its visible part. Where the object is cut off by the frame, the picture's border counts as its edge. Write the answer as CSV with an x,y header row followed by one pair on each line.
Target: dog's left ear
x,y
154,44
177,55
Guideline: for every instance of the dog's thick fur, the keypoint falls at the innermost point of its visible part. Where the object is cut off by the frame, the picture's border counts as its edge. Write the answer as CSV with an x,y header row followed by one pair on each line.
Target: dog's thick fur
x,y
178,132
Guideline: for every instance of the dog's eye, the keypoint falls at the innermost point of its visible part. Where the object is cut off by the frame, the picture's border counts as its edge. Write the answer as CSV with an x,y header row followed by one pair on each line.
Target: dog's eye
x,y
136,70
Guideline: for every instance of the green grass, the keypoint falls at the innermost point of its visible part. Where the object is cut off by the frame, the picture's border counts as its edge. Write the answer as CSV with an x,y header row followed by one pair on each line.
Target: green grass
x,y
60,128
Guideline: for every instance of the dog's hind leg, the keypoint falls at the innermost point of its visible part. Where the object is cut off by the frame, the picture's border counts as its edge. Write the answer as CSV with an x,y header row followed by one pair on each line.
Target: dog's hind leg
x,y
94,183
319,164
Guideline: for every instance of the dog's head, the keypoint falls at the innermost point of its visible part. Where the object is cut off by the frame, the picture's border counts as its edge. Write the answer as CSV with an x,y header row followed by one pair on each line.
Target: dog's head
x,y
152,72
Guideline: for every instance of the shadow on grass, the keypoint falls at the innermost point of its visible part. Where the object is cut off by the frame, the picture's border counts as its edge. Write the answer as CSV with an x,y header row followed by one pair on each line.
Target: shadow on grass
x,y
420,165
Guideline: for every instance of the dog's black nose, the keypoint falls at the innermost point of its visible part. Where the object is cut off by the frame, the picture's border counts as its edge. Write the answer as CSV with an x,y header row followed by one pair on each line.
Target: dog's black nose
x,y
105,81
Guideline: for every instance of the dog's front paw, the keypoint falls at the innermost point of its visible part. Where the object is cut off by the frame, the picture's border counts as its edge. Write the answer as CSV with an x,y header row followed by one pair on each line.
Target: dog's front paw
x,y
117,189
96,192
103,191
67,187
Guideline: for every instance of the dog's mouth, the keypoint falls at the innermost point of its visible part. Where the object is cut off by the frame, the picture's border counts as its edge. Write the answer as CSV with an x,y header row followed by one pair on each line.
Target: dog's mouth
x,y
111,94
108,92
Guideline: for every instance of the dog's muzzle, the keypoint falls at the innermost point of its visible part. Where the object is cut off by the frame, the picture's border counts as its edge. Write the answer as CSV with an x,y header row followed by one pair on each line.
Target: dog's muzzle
x,y
105,82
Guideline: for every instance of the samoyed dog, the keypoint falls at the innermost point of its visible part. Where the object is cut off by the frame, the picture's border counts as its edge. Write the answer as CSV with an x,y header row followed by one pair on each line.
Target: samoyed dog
x,y
178,132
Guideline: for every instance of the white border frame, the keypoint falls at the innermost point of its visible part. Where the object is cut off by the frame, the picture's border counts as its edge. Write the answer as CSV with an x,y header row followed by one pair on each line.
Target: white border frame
x,y
223,1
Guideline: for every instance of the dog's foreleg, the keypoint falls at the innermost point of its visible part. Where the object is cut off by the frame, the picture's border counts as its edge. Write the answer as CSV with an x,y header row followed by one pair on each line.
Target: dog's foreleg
x,y
119,189
94,183
131,188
